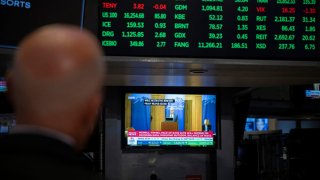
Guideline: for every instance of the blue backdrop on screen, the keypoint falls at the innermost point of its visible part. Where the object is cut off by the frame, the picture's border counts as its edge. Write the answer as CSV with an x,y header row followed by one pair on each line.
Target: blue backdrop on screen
x,y
18,18
140,113
209,110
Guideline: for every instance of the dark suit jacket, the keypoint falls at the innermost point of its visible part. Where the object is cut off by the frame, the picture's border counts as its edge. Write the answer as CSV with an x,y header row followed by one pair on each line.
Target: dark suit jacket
x,y
35,157
174,119
208,127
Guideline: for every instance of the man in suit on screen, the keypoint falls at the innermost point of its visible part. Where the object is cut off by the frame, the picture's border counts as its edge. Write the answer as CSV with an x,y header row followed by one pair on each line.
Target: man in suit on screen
x,y
56,88
206,125
172,116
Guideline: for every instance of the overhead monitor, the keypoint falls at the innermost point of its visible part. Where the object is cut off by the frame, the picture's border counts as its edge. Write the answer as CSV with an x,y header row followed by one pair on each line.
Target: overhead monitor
x,y
234,29
3,85
18,18
170,120
313,93
7,121
305,99
257,124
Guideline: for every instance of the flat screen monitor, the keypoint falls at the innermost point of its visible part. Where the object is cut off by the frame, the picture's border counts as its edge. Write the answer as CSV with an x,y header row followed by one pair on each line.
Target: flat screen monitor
x,y
3,85
233,29
19,18
7,121
170,120
257,124
305,93
313,92
305,99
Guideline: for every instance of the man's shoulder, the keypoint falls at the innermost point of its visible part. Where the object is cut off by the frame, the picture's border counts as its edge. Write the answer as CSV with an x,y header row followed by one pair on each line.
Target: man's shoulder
x,y
30,141
38,147
22,154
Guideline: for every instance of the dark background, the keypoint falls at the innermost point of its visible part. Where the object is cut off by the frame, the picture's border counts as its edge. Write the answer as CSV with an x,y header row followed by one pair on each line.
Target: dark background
x,y
19,21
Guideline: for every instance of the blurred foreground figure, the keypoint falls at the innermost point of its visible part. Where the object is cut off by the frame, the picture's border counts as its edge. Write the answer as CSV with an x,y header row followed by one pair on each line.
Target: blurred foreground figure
x,y
55,86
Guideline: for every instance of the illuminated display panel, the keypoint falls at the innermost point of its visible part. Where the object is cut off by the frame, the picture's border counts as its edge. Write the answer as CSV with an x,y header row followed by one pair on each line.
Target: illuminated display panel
x,y
170,120
257,124
18,18
255,29
3,85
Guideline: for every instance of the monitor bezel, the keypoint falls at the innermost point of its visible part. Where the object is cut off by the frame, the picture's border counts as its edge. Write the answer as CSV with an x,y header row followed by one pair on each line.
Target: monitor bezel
x,y
171,90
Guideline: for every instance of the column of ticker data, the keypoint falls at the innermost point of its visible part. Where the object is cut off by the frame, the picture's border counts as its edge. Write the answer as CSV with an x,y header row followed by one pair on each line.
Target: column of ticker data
x,y
134,28
160,24
241,39
261,20
213,9
108,15
285,21
309,21
181,24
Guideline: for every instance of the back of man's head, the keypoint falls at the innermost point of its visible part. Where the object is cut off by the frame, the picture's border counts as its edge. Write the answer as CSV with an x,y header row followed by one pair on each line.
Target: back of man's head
x,y
56,80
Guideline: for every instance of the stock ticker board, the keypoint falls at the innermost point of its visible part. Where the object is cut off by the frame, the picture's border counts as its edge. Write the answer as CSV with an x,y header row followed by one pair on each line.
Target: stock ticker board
x,y
242,29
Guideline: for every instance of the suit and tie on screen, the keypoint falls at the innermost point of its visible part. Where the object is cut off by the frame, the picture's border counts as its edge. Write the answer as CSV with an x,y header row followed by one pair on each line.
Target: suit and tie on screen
x,y
172,116
206,125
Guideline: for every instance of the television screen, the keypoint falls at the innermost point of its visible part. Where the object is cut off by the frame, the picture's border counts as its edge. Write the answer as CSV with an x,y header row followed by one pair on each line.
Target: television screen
x,y
313,92
7,121
3,85
305,99
256,124
170,120
19,18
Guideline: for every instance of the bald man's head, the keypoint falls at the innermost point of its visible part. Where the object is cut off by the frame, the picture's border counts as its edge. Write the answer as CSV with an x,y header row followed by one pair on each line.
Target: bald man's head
x,y
57,71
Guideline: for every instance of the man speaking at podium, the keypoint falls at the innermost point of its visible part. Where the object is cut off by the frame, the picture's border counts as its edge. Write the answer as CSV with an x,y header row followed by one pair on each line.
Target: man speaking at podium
x,y
172,116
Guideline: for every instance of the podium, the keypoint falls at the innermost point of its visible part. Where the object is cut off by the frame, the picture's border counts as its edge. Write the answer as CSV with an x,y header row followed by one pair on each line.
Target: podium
x,y
169,126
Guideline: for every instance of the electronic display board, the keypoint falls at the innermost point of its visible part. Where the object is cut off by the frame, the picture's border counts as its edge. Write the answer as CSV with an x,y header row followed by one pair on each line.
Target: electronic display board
x,y
170,118
20,17
245,29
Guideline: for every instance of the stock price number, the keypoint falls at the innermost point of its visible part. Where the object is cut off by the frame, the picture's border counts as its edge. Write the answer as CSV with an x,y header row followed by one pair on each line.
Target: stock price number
x,y
286,46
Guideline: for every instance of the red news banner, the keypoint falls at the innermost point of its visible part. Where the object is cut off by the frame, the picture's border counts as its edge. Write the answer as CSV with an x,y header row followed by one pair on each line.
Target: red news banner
x,y
191,134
